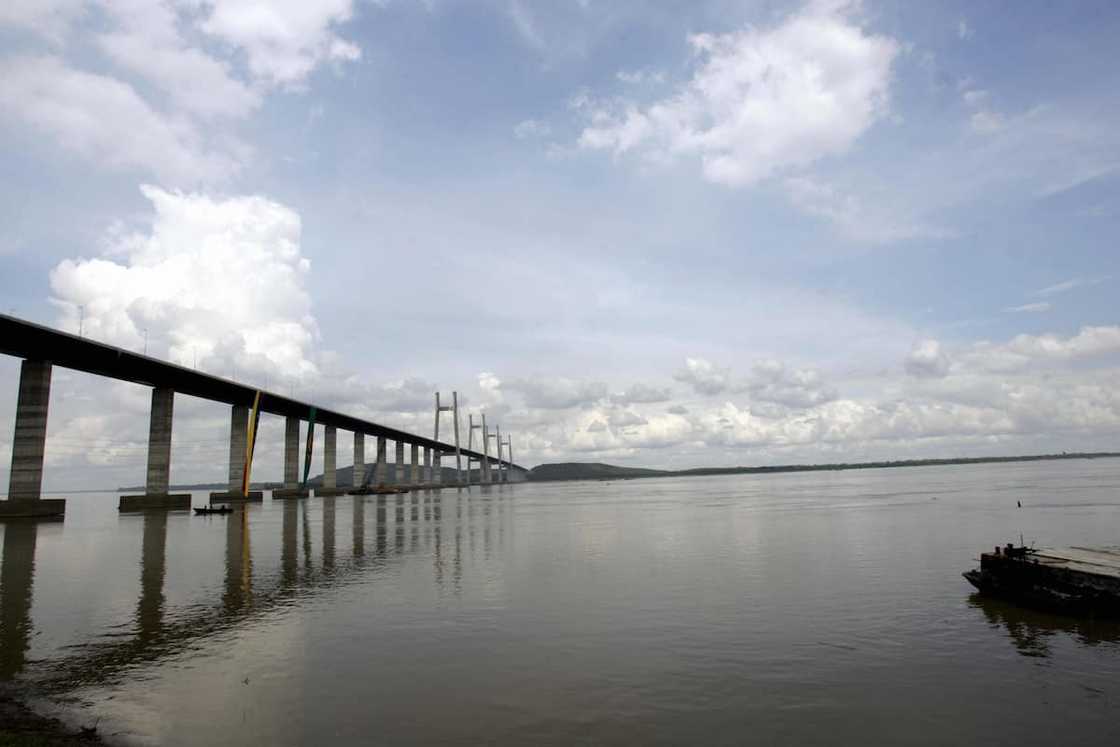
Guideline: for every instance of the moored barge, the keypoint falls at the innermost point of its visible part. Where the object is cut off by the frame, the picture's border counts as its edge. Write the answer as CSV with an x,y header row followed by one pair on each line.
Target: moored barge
x,y
1078,580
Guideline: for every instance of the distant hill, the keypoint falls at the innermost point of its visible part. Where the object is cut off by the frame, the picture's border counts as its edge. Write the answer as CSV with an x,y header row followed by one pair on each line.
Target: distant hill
x,y
599,471
589,471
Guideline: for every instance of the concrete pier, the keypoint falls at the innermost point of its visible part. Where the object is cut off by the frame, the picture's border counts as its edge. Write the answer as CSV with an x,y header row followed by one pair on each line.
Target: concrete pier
x,y
359,463
238,444
379,465
157,491
427,475
28,447
330,459
398,469
291,487
414,478
437,470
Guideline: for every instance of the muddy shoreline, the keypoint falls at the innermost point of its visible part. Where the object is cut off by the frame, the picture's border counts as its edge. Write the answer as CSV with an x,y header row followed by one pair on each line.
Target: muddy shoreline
x,y
20,725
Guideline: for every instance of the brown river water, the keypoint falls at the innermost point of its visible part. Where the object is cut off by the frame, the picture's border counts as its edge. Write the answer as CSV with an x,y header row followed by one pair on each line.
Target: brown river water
x,y
803,608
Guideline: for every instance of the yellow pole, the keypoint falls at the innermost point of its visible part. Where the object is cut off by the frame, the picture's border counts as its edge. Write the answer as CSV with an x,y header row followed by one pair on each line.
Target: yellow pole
x,y
251,442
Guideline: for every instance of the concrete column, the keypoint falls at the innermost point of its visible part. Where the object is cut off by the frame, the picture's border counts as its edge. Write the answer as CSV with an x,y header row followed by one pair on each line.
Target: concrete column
x,y
398,469
29,445
238,444
485,452
159,441
415,480
291,487
437,471
291,452
427,465
158,483
359,461
330,460
379,467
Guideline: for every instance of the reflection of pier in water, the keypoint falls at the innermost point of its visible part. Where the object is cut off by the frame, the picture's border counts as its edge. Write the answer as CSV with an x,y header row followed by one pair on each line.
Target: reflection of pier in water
x,y
246,594
1032,631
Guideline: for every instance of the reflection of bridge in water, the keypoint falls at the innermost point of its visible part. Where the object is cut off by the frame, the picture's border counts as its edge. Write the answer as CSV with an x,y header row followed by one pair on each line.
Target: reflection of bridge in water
x,y
445,526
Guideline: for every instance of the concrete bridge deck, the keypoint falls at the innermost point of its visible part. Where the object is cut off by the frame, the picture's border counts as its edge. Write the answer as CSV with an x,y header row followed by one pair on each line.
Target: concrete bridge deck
x,y
41,348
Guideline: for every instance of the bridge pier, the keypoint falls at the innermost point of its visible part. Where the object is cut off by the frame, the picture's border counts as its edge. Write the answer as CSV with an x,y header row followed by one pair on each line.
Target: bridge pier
x,y
28,446
330,469
398,468
291,487
437,468
157,491
359,463
238,444
414,477
379,465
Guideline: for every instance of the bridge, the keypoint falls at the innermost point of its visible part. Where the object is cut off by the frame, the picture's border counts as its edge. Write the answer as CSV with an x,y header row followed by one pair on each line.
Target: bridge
x,y
42,348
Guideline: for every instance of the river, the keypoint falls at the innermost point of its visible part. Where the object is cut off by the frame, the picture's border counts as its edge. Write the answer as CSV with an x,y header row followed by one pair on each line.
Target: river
x,y
800,608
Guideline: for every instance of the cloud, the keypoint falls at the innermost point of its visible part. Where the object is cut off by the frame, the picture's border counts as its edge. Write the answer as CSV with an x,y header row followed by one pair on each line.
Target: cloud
x,y
1072,284
113,119
283,40
704,377
639,77
761,102
147,42
555,392
964,31
217,281
926,359
642,394
1025,351
50,18
854,217
106,120
772,382
987,122
626,418
1028,308
531,128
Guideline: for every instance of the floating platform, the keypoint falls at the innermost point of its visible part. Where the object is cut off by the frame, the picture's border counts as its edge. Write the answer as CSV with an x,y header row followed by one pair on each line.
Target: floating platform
x,y
1080,580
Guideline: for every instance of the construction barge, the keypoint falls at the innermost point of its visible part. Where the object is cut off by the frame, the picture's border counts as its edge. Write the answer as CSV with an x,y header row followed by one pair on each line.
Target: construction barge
x,y
1075,580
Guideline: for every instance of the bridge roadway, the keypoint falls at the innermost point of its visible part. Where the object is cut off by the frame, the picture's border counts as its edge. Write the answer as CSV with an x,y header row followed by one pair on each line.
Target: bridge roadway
x,y
41,348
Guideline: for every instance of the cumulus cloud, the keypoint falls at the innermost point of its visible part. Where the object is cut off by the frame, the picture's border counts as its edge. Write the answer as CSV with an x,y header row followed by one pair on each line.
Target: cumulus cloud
x,y
761,102
107,121
927,359
111,118
147,42
704,377
283,40
772,382
642,394
556,392
217,281
51,18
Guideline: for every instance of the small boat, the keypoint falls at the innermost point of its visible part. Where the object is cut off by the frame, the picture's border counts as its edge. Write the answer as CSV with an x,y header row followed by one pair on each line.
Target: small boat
x,y
1076,580
206,510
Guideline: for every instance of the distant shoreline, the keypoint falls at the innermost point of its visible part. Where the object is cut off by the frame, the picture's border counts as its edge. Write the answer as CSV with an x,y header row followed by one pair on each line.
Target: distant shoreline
x,y
567,471
598,471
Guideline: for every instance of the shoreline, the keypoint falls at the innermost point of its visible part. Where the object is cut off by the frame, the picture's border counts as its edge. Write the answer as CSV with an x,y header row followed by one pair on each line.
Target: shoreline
x,y
21,724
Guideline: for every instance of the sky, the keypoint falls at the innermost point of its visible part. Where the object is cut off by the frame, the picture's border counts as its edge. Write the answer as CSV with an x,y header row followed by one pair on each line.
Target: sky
x,y
668,234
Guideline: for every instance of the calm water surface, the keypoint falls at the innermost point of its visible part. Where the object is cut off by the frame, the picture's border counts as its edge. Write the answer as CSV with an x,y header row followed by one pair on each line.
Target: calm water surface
x,y
812,608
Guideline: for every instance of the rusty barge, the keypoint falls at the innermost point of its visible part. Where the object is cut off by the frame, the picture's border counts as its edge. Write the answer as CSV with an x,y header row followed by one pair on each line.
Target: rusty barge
x,y
1076,580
